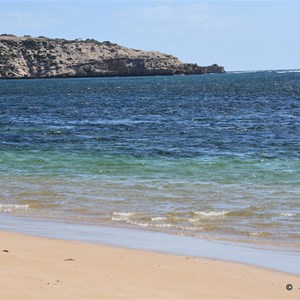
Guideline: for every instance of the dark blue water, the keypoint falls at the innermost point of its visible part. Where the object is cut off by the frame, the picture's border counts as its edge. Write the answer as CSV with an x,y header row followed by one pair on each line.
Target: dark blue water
x,y
239,114
213,155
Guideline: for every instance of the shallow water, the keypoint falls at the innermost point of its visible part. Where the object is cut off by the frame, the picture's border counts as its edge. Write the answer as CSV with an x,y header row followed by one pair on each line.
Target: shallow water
x,y
214,156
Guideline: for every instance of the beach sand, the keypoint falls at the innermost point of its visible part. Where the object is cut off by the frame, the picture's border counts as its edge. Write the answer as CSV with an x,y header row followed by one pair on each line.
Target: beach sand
x,y
42,268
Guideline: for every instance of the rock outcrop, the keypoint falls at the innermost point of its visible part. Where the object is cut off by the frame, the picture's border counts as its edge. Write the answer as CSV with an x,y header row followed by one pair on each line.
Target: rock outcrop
x,y
27,57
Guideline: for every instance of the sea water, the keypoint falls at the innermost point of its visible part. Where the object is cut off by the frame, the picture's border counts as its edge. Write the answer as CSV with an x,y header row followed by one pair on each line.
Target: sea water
x,y
214,156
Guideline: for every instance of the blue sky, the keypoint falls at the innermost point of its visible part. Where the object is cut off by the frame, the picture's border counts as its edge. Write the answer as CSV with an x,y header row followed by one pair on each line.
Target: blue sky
x,y
240,35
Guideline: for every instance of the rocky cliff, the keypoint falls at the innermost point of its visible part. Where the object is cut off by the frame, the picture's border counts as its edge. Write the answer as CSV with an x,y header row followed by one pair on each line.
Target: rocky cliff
x,y
27,57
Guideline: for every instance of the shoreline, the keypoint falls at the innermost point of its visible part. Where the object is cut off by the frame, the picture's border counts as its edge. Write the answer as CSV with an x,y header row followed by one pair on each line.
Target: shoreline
x,y
105,76
273,259
47,268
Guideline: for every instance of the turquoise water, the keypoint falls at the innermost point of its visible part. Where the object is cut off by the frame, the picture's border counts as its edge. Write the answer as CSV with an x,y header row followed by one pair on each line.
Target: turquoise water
x,y
213,156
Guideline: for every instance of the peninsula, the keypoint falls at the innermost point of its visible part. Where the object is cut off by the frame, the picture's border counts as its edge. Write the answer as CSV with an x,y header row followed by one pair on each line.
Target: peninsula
x,y
42,57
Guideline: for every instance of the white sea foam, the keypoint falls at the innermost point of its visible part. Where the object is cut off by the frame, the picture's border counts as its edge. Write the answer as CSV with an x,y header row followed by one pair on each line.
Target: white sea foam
x,y
158,218
138,223
122,213
244,72
287,214
164,225
288,71
13,207
121,216
259,234
210,214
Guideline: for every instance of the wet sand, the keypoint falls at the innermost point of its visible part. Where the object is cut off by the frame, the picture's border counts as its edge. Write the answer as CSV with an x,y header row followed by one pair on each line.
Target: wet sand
x,y
43,268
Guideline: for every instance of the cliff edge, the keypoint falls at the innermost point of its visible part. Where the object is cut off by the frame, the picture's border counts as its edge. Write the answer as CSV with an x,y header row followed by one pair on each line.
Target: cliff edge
x,y
28,57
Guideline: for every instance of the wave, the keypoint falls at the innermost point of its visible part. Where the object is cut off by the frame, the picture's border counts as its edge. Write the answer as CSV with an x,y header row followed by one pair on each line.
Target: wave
x,y
210,214
287,71
196,218
264,71
285,214
121,216
245,72
13,207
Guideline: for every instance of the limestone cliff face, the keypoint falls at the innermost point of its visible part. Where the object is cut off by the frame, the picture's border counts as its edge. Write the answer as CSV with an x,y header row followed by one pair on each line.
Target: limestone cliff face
x,y
27,57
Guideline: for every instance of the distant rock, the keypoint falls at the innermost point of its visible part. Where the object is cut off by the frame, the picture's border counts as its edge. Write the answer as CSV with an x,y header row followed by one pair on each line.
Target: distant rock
x,y
28,57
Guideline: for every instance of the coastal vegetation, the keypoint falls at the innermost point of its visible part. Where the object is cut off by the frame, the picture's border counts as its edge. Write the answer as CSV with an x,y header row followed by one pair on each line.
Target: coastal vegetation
x,y
42,57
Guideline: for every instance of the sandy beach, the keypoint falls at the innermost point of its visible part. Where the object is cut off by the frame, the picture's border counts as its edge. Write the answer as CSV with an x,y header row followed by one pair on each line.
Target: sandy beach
x,y
42,268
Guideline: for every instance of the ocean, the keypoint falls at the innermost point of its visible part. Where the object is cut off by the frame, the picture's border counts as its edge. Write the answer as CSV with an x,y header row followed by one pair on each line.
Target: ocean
x,y
209,156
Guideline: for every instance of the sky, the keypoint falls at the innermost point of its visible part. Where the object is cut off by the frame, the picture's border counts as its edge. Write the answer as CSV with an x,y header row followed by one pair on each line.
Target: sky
x,y
239,35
